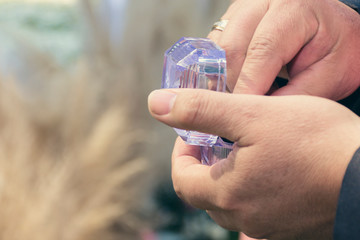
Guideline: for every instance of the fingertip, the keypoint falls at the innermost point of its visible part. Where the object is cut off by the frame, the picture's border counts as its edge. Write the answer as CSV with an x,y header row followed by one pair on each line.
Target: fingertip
x,y
160,102
181,149
192,180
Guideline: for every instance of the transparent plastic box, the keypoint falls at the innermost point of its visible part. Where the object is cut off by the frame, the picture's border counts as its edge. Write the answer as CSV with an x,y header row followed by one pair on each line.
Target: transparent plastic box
x,y
197,63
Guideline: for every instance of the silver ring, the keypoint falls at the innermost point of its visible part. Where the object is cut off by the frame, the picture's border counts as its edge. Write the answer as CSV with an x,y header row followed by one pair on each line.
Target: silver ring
x,y
220,25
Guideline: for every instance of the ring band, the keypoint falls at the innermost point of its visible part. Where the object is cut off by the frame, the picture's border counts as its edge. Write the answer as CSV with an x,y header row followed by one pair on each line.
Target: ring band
x,y
220,25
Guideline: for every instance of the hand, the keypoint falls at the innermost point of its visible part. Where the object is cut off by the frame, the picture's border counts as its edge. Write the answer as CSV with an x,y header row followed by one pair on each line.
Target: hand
x,y
283,177
318,41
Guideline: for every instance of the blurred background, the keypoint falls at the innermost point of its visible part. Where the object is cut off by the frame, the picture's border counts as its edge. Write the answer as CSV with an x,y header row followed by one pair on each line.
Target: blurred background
x,y
119,43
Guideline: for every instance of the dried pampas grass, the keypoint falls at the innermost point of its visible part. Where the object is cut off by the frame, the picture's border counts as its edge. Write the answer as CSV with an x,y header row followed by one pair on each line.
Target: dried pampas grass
x,y
79,153
70,166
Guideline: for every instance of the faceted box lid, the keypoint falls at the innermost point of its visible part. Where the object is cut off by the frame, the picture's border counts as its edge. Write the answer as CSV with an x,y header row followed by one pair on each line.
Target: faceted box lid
x,y
195,63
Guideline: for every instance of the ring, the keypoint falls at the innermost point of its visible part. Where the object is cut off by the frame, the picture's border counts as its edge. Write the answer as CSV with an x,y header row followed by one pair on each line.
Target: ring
x,y
220,25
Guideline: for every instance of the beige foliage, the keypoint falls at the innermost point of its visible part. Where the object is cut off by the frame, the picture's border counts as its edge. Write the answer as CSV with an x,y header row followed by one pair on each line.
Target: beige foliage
x,y
69,170
73,143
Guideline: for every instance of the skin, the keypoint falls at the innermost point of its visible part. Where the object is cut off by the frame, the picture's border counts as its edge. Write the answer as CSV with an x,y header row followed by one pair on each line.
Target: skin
x,y
284,175
316,41
283,179
312,43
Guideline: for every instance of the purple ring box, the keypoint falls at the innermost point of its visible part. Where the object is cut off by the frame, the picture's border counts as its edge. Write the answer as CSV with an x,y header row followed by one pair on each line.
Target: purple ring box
x,y
198,63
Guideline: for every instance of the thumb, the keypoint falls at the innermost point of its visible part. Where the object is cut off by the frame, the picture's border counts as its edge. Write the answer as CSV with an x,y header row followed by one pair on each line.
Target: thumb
x,y
203,110
317,81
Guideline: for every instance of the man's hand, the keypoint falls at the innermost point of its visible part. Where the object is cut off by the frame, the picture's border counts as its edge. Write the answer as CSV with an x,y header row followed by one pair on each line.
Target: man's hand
x,y
318,41
283,177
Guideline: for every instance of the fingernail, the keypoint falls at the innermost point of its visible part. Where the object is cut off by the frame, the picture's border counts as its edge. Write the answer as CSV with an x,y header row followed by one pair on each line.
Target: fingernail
x,y
161,101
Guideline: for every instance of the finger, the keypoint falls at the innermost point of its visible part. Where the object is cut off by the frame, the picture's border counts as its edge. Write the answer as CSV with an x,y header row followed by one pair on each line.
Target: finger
x,y
244,237
238,34
192,181
215,35
205,111
226,219
278,38
327,38
303,82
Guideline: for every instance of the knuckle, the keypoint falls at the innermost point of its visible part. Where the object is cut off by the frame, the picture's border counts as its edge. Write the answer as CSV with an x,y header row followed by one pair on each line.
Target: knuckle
x,y
226,202
193,110
228,46
176,185
252,224
178,191
260,47
233,49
